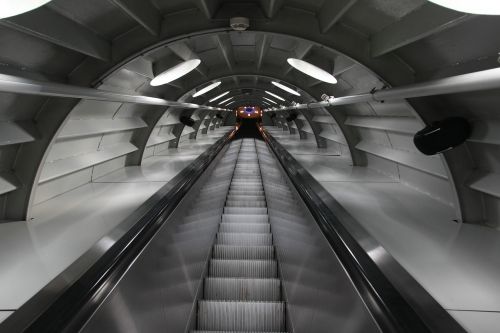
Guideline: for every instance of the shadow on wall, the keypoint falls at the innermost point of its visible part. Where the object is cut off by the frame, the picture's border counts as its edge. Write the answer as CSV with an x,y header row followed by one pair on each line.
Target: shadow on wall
x,y
248,129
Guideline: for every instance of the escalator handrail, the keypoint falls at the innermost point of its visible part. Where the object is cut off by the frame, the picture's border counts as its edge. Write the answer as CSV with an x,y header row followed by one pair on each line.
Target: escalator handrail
x,y
68,309
409,308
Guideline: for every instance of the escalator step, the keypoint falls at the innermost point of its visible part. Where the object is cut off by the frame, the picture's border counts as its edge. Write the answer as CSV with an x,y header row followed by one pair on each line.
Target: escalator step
x,y
231,332
243,252
247,218
241,316
245,210
245,227
239,289
245,239
246,197
245,203
243,268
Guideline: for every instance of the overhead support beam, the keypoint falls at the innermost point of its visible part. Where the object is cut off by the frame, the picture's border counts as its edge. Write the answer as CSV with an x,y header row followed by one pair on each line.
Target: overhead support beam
x,y
271,7
225,47
18,85
183,51
477,81
207,7
143,12
224,44
331,12
425,21
262,46
50,26
301,51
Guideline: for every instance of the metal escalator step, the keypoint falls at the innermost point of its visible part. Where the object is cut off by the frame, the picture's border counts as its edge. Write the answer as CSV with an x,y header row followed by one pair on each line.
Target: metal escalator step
x,y
243,252
246,192
245,210
245,218
241,316
243,268
246,186
231,332
254,228
240,289
244,239
248,197
245,203
240,184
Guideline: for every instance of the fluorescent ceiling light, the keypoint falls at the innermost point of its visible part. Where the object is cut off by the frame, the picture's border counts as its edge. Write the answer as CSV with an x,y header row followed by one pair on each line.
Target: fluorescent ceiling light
x,y
207,89
481,7
230,103
270,100
226,100
285,88
312,70
274,95
175,72
10,8
217,97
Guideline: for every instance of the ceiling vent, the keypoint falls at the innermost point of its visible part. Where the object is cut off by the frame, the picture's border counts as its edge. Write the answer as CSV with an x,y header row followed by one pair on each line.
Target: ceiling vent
x,y
239,23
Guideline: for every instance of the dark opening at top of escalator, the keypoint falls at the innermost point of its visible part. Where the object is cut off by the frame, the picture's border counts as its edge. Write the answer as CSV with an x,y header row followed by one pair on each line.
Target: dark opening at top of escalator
x,y
248,128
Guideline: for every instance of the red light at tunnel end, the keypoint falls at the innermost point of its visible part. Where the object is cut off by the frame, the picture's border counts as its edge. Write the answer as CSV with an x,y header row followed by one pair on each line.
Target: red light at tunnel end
x,y
246,112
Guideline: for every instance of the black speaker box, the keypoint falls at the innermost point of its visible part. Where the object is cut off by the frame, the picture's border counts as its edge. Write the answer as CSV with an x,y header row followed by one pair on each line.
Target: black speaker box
x,y
291,117
442,135
187,121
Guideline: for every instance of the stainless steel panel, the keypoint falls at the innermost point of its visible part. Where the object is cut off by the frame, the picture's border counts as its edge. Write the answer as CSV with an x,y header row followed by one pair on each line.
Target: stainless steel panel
x,y
159,291
319,294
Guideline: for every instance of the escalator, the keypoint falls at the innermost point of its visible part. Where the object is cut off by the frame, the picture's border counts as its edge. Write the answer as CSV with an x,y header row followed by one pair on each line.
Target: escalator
x,y
243,240
242,291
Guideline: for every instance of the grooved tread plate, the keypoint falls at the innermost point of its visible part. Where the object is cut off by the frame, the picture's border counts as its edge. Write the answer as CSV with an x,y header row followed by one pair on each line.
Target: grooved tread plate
x,y
241,289
241,316
243,268
243,252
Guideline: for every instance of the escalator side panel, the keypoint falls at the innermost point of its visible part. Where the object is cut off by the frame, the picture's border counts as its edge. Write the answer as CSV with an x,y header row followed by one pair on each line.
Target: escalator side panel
x,y
319,294
159,291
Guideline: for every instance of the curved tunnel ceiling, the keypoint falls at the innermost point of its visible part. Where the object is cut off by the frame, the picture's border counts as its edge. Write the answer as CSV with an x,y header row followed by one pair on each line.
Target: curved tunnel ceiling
x,y
366,44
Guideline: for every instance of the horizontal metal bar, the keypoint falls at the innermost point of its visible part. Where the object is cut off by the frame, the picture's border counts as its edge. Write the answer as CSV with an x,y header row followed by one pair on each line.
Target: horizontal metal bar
x,y
483,80
18,85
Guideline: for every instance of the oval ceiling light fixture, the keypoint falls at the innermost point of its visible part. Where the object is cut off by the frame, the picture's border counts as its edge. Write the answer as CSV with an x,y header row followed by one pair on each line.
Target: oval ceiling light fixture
x,y
226,100
311,70
10,8
207,89
274,95
480,7
217,97
285,88
270,100
175,72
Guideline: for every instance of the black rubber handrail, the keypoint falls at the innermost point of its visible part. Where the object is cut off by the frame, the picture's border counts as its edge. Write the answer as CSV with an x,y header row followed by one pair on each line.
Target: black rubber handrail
x,y
394,310
71,309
